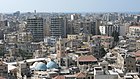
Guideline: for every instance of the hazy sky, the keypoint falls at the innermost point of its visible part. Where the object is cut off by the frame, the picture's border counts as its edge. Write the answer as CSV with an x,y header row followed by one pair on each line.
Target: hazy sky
x,y
69,5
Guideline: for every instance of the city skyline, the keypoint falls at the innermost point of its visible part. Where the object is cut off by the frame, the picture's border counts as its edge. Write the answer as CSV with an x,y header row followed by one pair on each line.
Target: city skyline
x,y
69,39
69,6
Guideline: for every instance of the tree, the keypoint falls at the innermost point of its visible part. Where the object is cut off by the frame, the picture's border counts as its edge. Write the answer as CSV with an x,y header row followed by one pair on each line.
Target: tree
x,y
24,54
1,51
102,52
115,34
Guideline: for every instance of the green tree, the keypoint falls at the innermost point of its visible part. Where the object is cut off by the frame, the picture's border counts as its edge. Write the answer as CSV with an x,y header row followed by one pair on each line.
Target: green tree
x,y
115,34
24,54
1,51
102,52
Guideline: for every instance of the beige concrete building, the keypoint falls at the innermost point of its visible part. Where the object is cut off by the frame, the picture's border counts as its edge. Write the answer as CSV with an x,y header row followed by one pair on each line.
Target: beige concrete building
x,y
22,70
86,61
24,37
138,45
18,37
134,30
22,26
3,69
39,54
72,37
105,41
81,36
11,37
130,63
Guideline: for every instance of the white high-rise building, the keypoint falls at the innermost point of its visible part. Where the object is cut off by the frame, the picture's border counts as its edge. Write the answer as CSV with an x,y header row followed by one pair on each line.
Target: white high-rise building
x,y
109,29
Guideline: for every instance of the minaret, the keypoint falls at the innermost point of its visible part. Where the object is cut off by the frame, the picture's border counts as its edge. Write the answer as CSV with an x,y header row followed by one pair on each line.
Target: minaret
x,y
60,50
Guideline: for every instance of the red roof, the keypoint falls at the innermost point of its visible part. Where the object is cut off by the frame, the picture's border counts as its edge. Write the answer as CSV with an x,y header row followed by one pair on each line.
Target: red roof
x,y
137,54
138,51
80,75
87,58
59,77
2,78
137,58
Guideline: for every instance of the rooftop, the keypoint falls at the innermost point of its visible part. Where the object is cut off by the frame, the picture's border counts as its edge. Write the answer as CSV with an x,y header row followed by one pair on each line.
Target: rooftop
x,y
87,58
137,53
28,60
40,66
80,75
52,64
134,26
59,77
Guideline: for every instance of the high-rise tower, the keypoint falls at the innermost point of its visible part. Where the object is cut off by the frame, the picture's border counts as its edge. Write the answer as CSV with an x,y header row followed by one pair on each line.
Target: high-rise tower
x,y
35,26
58,26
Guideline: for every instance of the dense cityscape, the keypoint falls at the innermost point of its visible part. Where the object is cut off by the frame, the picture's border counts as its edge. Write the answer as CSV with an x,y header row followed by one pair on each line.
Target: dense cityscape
x,y
35,45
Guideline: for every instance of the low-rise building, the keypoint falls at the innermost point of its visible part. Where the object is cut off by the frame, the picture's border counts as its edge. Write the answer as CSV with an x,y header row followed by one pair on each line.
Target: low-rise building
x,y
138,45
86,61
24,37
10,38
130,63
50,41
3,69
105,41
